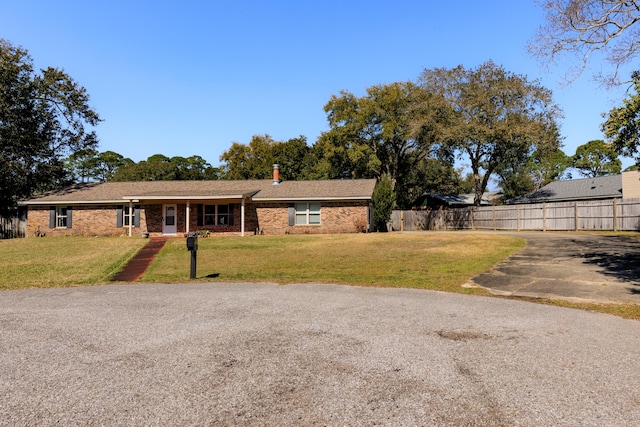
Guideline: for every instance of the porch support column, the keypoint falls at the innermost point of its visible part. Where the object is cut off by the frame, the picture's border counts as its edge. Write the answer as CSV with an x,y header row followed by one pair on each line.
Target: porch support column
x,y
186,227
242,217
130,218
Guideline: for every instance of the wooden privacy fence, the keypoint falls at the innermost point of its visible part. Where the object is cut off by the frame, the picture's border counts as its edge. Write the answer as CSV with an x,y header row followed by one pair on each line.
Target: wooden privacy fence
x,y
14,225
607,215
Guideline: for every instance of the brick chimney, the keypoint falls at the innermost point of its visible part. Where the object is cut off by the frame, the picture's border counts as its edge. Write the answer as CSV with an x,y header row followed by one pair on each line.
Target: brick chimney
x,y
276,174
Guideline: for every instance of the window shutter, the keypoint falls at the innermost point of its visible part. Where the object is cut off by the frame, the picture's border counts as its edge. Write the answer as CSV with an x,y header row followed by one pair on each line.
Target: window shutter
x,y
231,214
69,212
52,217
119,216
136,216
199,215
292,215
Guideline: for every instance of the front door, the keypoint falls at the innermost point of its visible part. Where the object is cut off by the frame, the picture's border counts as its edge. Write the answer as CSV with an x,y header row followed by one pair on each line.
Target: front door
x,y
169,219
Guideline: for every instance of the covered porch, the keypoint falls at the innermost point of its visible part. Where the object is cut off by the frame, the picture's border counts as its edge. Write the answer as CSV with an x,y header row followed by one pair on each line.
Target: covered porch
x,y
180,215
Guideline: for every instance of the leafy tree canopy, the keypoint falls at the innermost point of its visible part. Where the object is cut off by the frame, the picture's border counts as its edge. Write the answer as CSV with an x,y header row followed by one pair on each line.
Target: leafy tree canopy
x,y
524,176
43,115
91,165
391,131
597,158
159,167
499,118
622,127
515,182
431,175
256,159
547,165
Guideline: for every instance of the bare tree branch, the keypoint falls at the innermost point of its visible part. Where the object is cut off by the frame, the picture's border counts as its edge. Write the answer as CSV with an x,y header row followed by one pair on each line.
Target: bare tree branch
x,y
587,28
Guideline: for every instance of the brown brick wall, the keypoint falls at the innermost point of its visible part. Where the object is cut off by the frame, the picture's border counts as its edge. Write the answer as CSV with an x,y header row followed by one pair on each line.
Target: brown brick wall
x,y
267,218
85,221
153,216
335,217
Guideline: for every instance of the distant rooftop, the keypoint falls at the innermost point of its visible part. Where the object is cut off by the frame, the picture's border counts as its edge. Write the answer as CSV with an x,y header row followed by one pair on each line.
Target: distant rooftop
x,y
602,187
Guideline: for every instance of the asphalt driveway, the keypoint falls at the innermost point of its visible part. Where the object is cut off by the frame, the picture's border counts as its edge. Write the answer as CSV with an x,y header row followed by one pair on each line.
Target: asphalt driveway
x,y
581,267
261,354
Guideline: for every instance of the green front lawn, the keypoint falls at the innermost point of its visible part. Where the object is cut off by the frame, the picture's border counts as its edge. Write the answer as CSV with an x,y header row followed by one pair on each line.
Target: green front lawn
x,y
63,261
425,261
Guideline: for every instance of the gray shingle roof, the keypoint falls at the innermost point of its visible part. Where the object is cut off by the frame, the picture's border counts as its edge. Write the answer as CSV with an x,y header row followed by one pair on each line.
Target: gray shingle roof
x,y
603,187
325,189
111,192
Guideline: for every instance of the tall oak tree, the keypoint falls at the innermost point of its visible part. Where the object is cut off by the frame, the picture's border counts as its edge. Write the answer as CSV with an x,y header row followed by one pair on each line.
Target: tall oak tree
x,y
497,117
43,115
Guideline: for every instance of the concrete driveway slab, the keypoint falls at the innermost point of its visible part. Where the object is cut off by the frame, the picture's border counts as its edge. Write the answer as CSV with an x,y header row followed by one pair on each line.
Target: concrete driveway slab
x,y
585,267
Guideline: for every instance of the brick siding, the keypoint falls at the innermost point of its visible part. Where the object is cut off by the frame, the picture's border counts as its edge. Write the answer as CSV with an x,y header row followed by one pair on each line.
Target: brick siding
x,y
335,217
263,218
85,221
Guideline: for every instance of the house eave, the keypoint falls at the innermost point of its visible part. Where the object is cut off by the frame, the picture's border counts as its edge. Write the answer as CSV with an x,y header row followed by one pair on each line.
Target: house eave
x,y
306,198
211,197
68,202
135,199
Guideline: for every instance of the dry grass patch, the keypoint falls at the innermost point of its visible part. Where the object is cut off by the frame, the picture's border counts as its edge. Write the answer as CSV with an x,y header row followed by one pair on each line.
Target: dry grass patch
x,y
426,261
63,261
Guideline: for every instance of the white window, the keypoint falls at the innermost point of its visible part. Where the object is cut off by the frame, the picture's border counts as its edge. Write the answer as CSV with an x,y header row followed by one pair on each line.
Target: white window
x,y
307,213
127,216
61,217
216,215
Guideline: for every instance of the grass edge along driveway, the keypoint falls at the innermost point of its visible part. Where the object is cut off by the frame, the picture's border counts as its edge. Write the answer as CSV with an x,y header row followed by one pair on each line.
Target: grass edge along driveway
x,y
426,261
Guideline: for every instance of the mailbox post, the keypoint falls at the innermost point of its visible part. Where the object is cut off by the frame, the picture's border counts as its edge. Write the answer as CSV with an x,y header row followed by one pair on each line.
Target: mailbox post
x,y
192,246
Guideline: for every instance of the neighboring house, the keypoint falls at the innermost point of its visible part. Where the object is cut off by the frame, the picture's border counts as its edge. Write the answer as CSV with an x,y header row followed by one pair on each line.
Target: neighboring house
x,y
599,188
436,201
221,207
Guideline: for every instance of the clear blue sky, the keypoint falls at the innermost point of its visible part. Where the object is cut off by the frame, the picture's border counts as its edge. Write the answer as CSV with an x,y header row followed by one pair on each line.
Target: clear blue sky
x,y
191,77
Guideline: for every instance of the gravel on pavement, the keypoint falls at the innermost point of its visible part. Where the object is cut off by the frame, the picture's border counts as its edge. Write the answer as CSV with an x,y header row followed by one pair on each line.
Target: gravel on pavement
x,y
261,354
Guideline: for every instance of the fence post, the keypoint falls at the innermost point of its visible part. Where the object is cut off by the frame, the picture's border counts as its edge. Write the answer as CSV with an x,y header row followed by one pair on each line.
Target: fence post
x,y
472,215
494,217
615,214
575,216
401,220
517,217
544,216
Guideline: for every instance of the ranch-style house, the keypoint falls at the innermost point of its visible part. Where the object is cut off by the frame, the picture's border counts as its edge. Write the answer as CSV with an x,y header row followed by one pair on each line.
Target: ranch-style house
x,y
223,207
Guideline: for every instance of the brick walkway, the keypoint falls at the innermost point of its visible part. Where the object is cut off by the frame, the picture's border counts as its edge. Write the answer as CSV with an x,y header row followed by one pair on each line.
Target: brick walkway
x,y
139,263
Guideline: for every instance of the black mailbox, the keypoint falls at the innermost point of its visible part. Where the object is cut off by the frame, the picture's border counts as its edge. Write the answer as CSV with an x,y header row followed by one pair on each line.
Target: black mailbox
x,y
192,242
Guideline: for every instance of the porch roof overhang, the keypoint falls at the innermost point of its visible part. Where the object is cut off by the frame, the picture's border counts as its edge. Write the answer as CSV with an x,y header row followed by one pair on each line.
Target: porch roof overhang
x,y
188,197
